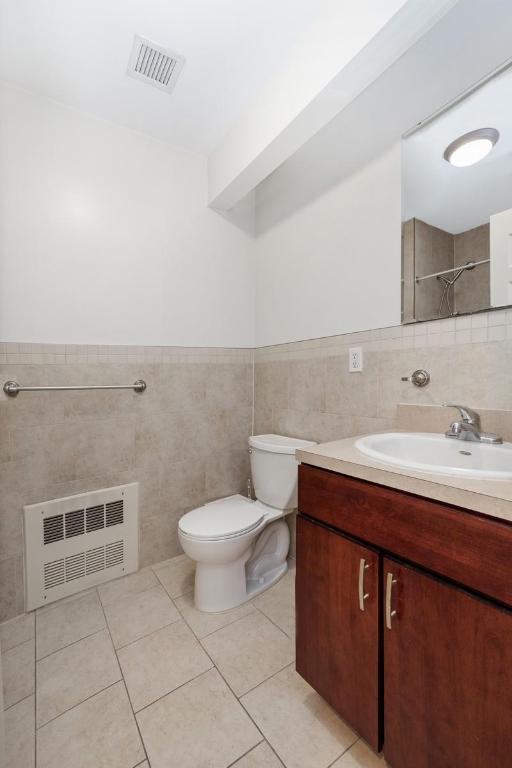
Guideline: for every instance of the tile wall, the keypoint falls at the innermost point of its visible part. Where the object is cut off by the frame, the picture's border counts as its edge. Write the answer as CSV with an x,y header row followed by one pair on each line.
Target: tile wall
x,y
184,439
305,389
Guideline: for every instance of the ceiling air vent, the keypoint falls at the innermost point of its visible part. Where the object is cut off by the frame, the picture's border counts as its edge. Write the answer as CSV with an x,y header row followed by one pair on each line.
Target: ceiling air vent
x,y
154,65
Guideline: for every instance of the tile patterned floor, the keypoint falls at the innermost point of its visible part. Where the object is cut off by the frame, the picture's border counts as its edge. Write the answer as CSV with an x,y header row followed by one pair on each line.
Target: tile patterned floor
x,y
131,675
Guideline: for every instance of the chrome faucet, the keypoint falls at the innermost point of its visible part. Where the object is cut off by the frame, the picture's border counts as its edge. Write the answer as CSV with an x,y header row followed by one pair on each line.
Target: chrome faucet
x,y
468,428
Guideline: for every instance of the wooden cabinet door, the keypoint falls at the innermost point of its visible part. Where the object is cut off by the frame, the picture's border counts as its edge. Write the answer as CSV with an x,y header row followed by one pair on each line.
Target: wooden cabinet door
x,y
337,610
447,675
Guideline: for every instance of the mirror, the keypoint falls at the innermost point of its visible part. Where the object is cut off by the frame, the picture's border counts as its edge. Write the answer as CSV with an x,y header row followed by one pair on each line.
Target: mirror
x,y
457,206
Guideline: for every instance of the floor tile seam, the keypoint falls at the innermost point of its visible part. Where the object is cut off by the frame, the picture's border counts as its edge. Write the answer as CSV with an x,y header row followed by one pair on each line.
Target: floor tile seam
x,y
236,697
4,653
230,765
273,622
241,618
129,595
15,704
78,704
266,738
168,693
122,647
126,690
229,624
75,642
42,610
344,751
17,645
274,674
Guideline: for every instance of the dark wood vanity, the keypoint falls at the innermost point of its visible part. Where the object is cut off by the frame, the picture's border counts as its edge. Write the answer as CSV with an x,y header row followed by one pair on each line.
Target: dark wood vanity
x,y
404,620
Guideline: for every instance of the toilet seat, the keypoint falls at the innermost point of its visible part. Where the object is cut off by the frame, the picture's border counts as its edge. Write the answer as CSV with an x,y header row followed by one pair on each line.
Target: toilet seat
x,y
223,519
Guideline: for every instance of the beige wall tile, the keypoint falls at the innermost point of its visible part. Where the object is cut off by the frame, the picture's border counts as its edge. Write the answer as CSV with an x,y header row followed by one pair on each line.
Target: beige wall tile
x,y
197,401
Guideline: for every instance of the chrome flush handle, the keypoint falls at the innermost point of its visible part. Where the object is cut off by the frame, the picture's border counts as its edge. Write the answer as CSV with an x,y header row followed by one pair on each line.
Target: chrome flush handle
x,y
389,590
363,566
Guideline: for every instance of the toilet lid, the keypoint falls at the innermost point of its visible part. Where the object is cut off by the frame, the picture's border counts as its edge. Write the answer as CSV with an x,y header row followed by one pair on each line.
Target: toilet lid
x,y
222,519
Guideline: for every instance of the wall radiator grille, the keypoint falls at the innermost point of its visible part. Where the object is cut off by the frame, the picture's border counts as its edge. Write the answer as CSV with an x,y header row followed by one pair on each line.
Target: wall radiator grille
x,y
79,541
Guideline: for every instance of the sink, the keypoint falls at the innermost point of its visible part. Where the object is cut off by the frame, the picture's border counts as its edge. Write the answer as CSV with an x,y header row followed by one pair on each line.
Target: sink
x,y
437,454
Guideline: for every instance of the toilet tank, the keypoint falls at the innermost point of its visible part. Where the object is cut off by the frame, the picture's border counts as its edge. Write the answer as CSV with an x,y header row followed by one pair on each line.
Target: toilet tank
x,y
274,469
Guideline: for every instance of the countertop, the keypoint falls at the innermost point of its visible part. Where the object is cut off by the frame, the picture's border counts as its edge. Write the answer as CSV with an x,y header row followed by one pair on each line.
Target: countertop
x,y
488,497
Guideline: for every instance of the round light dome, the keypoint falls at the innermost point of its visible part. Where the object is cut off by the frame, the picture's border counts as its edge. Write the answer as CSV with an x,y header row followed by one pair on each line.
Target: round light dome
x,y
472,147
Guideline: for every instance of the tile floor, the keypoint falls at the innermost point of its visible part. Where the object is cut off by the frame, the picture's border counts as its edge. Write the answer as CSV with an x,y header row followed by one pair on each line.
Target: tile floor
x,y
131,674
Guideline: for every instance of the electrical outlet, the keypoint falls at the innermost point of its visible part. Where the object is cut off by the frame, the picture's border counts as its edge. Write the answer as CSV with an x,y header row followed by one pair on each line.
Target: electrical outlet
x,y
355,359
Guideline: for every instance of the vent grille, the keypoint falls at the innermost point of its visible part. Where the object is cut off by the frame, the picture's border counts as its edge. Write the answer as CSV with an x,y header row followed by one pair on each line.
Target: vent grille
x,y
80,521
74,523
114,513
154,65
95,518
53,529
82,564
79,541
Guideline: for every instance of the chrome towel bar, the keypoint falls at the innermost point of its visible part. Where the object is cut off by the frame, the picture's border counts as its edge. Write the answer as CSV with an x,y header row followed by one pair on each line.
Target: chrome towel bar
x,y
12,388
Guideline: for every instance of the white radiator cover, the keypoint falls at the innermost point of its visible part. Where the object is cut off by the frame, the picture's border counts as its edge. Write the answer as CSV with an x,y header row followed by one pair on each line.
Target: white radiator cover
x,y
79,541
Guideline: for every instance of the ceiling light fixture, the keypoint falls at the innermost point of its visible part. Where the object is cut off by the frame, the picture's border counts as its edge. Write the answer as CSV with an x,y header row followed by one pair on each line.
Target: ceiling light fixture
x,y
471,148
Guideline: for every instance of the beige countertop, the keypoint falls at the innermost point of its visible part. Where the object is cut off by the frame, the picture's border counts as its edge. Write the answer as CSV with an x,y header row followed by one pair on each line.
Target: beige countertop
x,y
489,497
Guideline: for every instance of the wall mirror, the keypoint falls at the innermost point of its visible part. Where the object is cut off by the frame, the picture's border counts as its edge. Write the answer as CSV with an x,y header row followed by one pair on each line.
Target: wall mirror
x,y
457,206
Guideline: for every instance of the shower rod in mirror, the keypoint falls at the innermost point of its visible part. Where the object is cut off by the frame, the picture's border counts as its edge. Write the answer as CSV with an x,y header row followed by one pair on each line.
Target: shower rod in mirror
x,y
461,268
12,388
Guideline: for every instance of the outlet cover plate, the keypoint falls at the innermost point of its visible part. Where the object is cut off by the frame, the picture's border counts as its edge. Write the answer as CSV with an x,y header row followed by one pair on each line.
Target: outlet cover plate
x,y
355,359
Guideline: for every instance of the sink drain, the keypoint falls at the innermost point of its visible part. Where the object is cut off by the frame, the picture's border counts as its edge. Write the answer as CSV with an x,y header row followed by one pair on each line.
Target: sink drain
x,y
466,453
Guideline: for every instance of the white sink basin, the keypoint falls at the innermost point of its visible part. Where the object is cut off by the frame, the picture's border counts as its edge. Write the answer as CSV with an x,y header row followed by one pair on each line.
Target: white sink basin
x,y
440,455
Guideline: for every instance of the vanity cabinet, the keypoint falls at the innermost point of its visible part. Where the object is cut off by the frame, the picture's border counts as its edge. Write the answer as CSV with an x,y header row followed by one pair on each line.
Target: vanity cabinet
x,y
447,675
337,615
422,666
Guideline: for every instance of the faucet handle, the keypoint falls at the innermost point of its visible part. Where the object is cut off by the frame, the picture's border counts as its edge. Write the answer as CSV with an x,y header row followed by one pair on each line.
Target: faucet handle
x,y
467,415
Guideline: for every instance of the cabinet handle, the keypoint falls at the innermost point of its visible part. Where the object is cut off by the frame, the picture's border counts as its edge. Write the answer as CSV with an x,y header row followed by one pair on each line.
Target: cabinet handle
x,y
362,594
389,589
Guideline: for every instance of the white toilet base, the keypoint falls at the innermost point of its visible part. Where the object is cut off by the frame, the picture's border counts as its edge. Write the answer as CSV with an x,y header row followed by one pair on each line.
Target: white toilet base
x,y
221,586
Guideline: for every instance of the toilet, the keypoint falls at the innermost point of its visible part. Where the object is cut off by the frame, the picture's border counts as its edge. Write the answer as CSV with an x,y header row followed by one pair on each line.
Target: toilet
x,y
241,546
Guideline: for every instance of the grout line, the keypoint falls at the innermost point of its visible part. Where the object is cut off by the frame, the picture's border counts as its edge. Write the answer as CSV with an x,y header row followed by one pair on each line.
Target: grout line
x,y
168,693
110,685
6,709
245,753
142,637
149,634
344,752
260,610
58,650
125,687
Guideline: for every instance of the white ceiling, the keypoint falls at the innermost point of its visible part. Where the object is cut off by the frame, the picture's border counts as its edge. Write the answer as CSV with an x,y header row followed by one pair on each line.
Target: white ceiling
x,y
76,52
458,199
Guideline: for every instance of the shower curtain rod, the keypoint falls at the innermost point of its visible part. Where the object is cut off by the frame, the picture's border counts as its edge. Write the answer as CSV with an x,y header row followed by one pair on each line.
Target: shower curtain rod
x,y
462,267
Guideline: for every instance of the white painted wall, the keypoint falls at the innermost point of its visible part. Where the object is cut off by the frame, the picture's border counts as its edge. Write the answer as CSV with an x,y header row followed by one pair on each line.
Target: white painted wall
x,y
106,237
333,265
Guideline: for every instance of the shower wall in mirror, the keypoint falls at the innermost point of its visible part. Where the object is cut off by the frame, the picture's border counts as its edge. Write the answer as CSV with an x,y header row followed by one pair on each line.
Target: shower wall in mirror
x,y
457,207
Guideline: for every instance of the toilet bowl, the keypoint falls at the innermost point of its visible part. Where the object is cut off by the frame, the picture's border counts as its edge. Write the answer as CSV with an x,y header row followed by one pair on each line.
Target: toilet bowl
x,y
240,546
